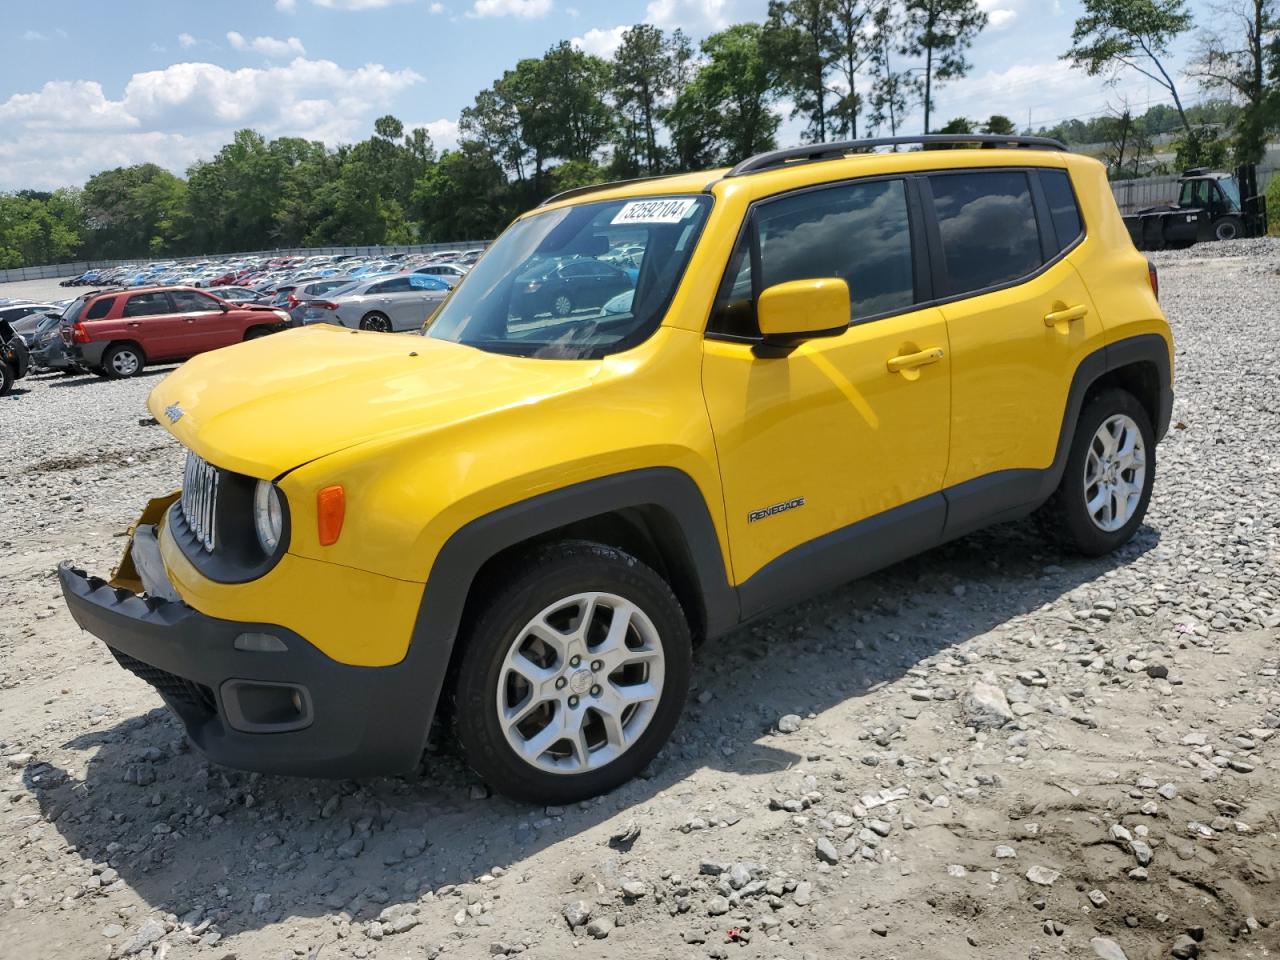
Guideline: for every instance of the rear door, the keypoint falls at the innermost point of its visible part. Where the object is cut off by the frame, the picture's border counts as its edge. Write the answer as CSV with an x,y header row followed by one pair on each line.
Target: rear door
x,y
206,325
149,319
399,301
1019,319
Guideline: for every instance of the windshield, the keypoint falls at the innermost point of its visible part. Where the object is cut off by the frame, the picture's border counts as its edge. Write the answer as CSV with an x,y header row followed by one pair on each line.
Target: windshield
x,y
1232,191
554,286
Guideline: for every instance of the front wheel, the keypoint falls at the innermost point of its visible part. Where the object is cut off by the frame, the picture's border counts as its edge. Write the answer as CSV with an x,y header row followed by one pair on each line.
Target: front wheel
x,y
1228,228
573,676
6,378
376,322
1110,469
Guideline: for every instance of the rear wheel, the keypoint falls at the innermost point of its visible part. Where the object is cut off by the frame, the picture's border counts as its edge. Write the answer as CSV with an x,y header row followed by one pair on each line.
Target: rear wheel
x,y
376,322
573,677
1106,485
6,378
562,305
121,361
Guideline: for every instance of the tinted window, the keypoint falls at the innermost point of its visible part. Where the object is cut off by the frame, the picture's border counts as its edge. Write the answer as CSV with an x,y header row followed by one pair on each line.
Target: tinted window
x,y
988,224
398,285
859,232
420,282
1063,209
146,305
188,301
101,307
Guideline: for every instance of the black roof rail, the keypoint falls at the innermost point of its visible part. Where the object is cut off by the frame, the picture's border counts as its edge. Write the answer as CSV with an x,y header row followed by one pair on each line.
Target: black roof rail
x,y
592,188
814,152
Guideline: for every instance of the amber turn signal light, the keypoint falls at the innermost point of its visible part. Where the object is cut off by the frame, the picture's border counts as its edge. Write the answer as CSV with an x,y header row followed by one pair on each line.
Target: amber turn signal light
x,y
331,510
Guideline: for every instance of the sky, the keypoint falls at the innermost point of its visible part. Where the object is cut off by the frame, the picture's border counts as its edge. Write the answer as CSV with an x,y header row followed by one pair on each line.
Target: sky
x,y
87,85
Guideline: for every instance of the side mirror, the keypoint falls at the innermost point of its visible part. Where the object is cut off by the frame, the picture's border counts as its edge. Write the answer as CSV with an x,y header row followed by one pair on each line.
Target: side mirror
x,y
790,313
223,306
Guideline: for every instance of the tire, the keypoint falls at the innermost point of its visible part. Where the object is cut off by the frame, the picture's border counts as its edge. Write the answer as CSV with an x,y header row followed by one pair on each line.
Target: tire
x,y
122,361
550,584
1228,228
6,378
1071,516
257,333
376,322
561,305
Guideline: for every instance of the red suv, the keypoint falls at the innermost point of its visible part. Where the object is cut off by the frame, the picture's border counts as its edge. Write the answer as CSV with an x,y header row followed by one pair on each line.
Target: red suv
x,y
115,333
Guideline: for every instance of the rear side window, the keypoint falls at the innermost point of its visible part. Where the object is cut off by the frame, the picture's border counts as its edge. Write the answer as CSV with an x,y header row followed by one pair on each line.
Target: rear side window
x,y
988,226
101,307
147,305
1063,209
398,285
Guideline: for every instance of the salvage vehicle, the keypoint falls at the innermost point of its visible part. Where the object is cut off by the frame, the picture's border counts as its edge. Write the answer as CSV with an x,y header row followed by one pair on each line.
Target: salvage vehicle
x,y
832,359
381,304
1211,206
15,359
116,333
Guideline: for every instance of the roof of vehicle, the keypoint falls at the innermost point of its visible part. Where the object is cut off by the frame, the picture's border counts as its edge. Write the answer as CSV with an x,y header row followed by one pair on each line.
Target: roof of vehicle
x,y
780,170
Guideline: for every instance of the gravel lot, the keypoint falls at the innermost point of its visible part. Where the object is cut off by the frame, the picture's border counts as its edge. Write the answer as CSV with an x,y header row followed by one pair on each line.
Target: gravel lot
x,y
989,751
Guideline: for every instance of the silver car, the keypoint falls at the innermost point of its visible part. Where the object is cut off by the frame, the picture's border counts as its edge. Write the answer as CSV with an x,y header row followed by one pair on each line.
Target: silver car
x,y
384,304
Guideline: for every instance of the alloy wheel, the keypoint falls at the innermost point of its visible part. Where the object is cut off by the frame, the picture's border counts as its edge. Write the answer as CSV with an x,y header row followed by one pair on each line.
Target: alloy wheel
x,y
562,305
580,683
125,363
1115,470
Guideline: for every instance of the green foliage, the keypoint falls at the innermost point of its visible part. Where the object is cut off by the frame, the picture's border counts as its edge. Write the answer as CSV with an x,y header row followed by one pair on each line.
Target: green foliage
x,y
941,31
1240,57
1000,125
1201,148
958,125
1273,207
799,38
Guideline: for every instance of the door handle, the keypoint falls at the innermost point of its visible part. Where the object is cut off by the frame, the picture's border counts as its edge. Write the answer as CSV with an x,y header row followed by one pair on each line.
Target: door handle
x,y
909,361
1078,312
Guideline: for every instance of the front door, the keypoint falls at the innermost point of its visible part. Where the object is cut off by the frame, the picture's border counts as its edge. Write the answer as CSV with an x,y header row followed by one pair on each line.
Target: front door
x,y
832,456
205,323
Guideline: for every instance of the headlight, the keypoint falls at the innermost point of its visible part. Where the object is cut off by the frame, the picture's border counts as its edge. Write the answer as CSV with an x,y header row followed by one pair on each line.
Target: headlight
x,y
268,516
282,314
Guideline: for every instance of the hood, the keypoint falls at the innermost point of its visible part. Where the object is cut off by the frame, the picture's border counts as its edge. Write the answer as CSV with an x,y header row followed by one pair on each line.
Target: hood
x,y
264,407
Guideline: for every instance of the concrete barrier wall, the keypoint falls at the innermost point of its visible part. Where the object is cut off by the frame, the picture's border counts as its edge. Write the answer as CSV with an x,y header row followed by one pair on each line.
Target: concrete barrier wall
x,y
57,270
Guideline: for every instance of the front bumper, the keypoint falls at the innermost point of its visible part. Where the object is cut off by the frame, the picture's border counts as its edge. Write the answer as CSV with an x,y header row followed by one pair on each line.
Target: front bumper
x,y
288,710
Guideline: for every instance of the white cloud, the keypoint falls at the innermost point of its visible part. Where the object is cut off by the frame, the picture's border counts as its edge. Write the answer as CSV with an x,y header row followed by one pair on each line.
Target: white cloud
x,y
601,43
32,35
436,8
1000,19
692,16
522,9
267,46
186,41
443,132
357,4
286,6
68,130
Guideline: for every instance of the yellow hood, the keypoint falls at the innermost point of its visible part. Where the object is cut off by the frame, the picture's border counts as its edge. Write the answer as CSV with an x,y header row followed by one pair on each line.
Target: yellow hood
x,y
264,407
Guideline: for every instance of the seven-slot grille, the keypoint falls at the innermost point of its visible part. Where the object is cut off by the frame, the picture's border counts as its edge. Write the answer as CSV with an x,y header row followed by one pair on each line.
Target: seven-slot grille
x,y
200,498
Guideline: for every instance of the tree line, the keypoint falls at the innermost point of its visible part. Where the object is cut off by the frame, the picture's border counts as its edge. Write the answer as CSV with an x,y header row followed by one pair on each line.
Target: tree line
x,y
658,104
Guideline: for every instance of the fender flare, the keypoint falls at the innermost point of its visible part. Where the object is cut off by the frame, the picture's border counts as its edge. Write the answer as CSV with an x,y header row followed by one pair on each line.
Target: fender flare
x,y
460,559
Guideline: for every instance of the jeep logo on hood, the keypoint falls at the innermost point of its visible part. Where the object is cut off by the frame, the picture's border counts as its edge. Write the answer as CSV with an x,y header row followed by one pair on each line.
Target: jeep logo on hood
x,y
173,412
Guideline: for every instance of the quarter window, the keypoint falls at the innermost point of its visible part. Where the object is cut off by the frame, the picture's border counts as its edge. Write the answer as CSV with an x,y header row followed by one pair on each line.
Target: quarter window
x,y
1063,209
101,307
988,226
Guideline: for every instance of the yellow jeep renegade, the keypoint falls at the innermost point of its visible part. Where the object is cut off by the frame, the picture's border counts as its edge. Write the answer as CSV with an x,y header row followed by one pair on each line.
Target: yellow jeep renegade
x,y
818,363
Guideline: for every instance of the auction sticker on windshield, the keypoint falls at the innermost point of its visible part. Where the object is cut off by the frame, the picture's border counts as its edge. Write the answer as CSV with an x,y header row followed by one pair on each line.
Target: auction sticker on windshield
x,y
655,211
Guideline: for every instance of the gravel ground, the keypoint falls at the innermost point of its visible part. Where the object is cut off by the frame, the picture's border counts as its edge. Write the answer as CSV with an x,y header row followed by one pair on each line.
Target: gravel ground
x,y
989,751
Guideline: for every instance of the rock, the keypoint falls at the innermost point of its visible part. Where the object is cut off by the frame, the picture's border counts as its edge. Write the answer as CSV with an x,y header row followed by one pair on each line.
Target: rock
x,y
112,930
985,707
479,791
1157,671
150,931
1185,948
879,827
624,838
880,929
1097,898
261,903
1003,852
1141,852
826,851
1107,949
634,889
1168,791
1043,876
739,876
788,723
803,894
717,906
599,928
577,913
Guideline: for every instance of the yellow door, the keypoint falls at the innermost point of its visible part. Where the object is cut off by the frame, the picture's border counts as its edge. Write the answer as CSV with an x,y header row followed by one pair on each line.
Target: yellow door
x,y
840,429
1015,348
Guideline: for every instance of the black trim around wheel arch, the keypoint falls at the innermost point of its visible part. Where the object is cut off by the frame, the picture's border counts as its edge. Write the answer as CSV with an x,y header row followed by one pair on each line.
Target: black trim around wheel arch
x,y
670,491
884,539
